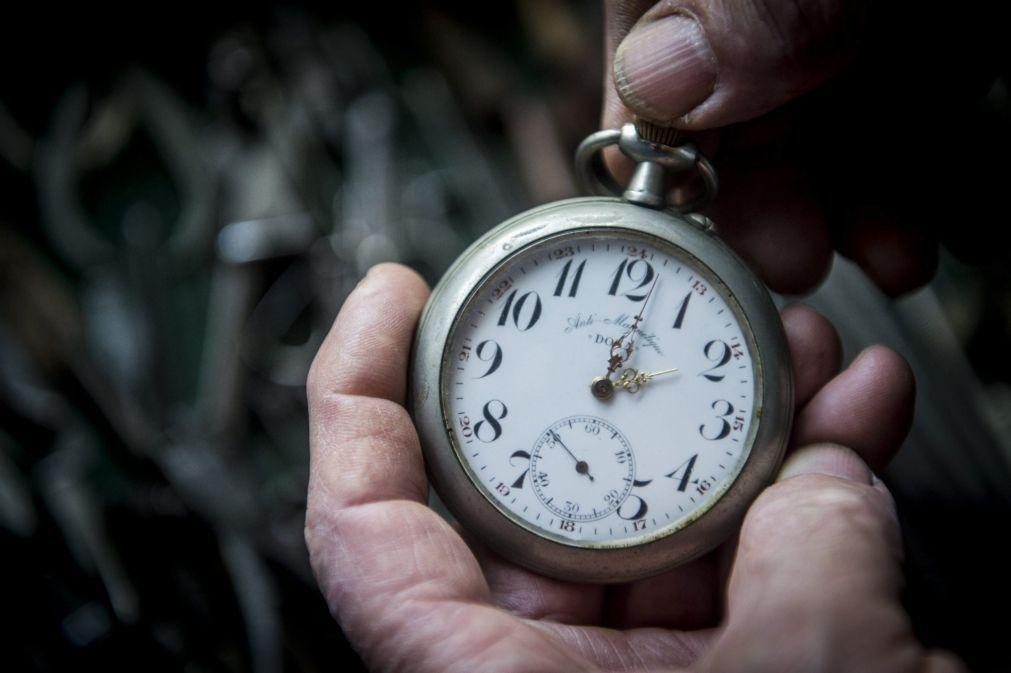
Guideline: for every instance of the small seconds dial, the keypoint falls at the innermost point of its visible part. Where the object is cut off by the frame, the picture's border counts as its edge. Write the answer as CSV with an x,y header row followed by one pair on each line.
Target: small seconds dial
x,y
582,468
593,464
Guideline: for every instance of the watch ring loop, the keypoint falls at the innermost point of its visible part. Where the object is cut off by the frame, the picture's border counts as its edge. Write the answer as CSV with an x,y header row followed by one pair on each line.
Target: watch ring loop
x,y
593,177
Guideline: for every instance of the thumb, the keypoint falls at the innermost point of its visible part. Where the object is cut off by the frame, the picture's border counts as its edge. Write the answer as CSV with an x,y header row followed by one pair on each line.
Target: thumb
x,y
705,63
815,584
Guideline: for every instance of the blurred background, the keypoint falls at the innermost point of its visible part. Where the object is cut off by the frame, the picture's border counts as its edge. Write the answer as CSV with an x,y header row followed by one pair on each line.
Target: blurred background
x,y
189,193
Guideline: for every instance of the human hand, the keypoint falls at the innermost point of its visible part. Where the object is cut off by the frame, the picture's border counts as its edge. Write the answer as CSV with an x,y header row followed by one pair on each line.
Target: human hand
x,y
848,166
812,585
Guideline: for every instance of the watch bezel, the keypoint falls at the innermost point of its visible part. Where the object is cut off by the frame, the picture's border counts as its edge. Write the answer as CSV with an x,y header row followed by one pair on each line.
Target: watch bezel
x,y
503,532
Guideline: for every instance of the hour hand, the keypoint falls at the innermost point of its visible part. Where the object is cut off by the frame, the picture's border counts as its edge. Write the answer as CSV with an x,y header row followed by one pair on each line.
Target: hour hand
x,y
631,380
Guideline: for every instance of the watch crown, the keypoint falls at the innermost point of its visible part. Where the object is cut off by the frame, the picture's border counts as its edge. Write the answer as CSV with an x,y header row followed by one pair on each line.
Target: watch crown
x,y
657,134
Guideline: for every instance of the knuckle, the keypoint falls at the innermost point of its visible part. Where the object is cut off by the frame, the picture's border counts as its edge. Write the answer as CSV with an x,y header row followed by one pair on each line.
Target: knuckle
x,y
322,379
815,502
314,380
315,521
317,531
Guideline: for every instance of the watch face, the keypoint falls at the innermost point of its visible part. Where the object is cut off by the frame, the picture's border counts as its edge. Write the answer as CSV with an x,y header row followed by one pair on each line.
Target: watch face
x,y
601,388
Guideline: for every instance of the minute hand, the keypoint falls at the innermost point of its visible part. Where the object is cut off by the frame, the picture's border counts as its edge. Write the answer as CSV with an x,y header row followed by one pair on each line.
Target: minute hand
x,y
618,358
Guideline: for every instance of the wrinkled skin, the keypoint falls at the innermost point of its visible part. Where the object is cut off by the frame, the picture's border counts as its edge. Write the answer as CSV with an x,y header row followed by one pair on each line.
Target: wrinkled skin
x,y
811,584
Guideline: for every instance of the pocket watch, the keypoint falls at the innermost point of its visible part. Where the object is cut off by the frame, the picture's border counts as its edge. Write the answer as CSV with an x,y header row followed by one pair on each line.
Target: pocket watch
x,y
601,387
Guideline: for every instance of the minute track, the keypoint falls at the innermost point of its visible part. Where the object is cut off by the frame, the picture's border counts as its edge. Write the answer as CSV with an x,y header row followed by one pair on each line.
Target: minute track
x,y
577,318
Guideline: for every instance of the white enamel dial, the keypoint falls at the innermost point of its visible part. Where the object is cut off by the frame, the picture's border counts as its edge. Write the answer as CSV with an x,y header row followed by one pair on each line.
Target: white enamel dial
x,y
559,460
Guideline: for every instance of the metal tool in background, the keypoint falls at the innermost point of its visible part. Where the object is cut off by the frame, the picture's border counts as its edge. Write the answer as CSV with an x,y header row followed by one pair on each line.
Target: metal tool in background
x,y
311,196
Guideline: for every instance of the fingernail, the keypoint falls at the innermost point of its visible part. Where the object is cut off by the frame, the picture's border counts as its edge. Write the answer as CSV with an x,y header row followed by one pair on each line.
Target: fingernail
x,y
828,459
665,69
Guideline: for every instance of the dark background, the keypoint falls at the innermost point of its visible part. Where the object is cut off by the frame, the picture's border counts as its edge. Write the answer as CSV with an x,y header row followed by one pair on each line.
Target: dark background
x,y
188,193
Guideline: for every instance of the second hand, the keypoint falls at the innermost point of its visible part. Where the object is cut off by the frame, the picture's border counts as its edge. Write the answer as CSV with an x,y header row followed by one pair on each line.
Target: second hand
x,y
582,467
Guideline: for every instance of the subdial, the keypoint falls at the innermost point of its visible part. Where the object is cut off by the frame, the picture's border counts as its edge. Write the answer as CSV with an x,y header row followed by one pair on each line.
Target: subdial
x,y
582,468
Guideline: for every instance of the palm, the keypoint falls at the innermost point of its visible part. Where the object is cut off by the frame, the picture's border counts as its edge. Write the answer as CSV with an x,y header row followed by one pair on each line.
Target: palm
x,y
411,593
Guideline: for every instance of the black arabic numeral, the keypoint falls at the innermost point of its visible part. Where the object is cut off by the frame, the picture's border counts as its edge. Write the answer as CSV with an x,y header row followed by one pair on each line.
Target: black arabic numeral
x,y
504,316
491,420
564,276
713,353
686,467
517,310
725,424
523,455
627,270
638,513
679,319
489,351
617,278
535,313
